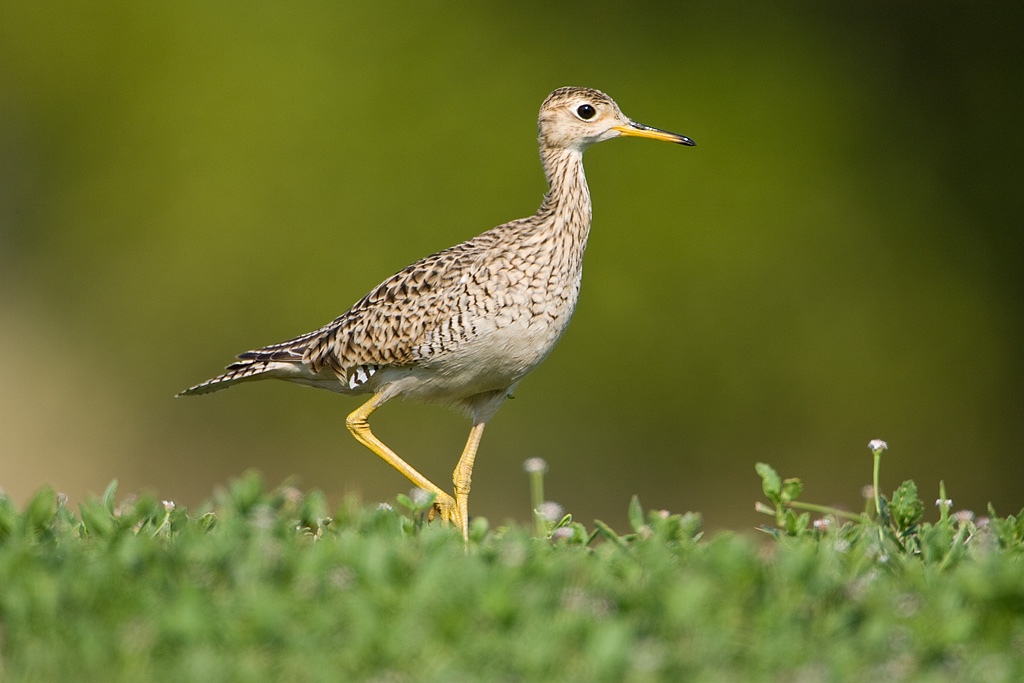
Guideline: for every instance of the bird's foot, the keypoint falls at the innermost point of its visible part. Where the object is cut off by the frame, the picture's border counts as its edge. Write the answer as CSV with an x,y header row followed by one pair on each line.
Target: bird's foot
x,y
445,508
449,511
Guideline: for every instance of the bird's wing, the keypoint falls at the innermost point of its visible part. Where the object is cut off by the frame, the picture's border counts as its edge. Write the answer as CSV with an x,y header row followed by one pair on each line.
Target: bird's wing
x,y
396,324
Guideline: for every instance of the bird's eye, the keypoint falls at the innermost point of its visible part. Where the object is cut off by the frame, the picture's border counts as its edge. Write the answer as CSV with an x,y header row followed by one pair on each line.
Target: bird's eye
x,y
586,111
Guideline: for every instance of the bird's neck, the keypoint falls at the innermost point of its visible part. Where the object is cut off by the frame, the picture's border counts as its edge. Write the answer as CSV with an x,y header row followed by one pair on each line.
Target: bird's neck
x,y
568,198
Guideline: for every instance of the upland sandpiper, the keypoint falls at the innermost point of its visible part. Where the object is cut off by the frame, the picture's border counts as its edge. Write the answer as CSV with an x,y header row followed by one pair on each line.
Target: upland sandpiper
x,y
464,326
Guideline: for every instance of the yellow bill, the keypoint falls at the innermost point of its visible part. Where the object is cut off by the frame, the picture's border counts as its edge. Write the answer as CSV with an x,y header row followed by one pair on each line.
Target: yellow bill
x,y
639,130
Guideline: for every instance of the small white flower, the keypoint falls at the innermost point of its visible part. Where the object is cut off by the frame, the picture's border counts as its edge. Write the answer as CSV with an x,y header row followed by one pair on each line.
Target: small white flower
x,y
536,465
948,503
551,511
418,495
168,505
877,445
822,524
963,516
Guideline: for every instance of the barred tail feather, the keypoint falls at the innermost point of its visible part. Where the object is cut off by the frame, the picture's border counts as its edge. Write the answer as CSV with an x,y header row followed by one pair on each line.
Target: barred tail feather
x,y
236,372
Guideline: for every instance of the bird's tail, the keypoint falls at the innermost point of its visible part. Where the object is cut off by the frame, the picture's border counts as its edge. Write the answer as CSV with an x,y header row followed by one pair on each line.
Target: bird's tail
x,y
241,371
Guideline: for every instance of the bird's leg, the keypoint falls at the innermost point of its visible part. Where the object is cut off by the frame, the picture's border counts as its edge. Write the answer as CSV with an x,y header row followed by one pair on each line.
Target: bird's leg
x,y
464,474
357,423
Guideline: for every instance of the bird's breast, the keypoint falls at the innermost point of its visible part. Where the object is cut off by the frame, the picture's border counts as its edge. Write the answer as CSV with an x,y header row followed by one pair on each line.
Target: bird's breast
x,y
505,327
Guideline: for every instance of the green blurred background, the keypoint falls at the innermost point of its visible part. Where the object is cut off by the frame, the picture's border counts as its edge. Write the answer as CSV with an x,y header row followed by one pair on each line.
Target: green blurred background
x,y
839,259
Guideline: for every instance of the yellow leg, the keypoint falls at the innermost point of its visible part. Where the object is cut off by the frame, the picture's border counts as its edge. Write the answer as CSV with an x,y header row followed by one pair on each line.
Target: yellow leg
x,y
444,504
463,476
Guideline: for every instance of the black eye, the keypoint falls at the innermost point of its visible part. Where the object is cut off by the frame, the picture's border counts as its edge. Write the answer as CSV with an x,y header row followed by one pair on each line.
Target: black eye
x,y
586,112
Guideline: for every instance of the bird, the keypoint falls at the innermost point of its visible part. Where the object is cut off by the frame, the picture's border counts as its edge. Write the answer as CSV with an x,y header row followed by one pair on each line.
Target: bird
x,y
462,327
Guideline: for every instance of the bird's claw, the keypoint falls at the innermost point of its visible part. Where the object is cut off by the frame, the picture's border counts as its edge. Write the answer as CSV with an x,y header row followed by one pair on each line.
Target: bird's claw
x,y
445,507
448,510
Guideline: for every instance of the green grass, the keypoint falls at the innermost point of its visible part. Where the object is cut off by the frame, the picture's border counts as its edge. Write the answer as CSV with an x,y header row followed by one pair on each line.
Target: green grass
x,y
272,585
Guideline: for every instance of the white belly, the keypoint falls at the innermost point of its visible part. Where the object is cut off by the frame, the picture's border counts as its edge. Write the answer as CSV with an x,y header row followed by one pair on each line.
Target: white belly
x,y
500,354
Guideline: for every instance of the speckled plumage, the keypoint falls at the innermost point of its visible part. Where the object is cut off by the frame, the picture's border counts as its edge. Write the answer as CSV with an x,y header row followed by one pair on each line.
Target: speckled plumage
x,y
465,325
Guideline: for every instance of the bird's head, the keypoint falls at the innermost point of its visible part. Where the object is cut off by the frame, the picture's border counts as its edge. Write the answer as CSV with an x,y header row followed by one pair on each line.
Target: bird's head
x,y
575,118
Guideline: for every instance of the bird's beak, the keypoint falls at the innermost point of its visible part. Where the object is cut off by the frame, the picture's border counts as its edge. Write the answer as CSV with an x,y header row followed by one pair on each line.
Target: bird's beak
x,y
639,130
